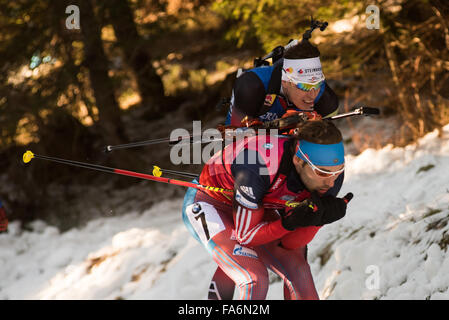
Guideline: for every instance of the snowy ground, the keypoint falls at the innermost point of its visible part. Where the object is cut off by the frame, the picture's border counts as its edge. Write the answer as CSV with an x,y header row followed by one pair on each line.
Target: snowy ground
x,y
392,244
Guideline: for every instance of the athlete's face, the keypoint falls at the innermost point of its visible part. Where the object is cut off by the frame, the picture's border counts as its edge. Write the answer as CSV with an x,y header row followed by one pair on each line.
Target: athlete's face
x,y
311,180
301,99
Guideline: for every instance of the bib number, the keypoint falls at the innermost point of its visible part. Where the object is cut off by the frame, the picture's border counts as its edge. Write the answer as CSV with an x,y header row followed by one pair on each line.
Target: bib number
x,y
205,220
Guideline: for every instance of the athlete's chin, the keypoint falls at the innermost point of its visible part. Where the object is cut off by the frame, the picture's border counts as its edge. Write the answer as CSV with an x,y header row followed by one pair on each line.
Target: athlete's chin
x,y
322,191
308,104
304,106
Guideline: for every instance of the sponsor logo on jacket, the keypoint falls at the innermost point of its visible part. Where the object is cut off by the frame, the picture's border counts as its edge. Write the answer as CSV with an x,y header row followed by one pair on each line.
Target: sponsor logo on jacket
x,y
244,202
244,251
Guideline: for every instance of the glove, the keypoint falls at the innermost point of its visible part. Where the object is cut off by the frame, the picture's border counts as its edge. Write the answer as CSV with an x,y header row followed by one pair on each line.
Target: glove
x,y
290,112
316,211
334,208
310,115
307,213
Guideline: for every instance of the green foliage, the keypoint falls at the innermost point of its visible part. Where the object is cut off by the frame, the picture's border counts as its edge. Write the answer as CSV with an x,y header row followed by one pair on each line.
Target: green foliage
x,y
276,22
416,48
36,68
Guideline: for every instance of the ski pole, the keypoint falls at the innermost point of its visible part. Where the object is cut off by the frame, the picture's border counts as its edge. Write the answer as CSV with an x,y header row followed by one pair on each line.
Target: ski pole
x,y
189,139
267,201
110,148
176,173
366,111
28,156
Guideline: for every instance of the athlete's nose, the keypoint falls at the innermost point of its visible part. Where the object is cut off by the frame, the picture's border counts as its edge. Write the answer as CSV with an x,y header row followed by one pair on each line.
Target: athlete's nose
x,y
312,93
330,182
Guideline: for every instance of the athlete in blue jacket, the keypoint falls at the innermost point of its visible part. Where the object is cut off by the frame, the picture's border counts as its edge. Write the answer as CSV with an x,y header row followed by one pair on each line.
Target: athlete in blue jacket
x,y
295,82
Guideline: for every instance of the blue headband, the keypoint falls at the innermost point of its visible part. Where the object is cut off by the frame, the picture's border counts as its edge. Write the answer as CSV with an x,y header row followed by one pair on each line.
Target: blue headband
x,y
322,154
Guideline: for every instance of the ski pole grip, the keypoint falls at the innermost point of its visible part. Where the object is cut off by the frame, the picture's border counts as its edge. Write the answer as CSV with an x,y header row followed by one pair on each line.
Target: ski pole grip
x,y
348,197
369,110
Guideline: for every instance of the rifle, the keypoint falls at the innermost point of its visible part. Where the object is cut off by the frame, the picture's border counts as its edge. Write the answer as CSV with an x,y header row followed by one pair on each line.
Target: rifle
x,y
278,52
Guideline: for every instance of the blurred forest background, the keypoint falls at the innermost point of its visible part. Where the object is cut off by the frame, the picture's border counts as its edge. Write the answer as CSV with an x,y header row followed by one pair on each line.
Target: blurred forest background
x,y
137,69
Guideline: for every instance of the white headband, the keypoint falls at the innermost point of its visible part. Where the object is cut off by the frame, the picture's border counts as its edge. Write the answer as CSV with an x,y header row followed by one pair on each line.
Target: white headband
x,y
303,70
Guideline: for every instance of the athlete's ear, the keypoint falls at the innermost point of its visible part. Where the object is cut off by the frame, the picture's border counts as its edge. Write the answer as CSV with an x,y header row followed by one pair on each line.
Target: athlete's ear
x,y
296,160
298,163
285,84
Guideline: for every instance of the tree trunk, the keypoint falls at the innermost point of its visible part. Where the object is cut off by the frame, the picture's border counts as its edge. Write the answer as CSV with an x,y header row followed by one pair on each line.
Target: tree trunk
x,y
137,54
96,61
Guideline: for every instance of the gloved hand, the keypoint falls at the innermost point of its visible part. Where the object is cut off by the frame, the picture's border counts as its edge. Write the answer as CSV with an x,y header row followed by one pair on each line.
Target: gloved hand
x,y
307,213
311,115
334,208
316,211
